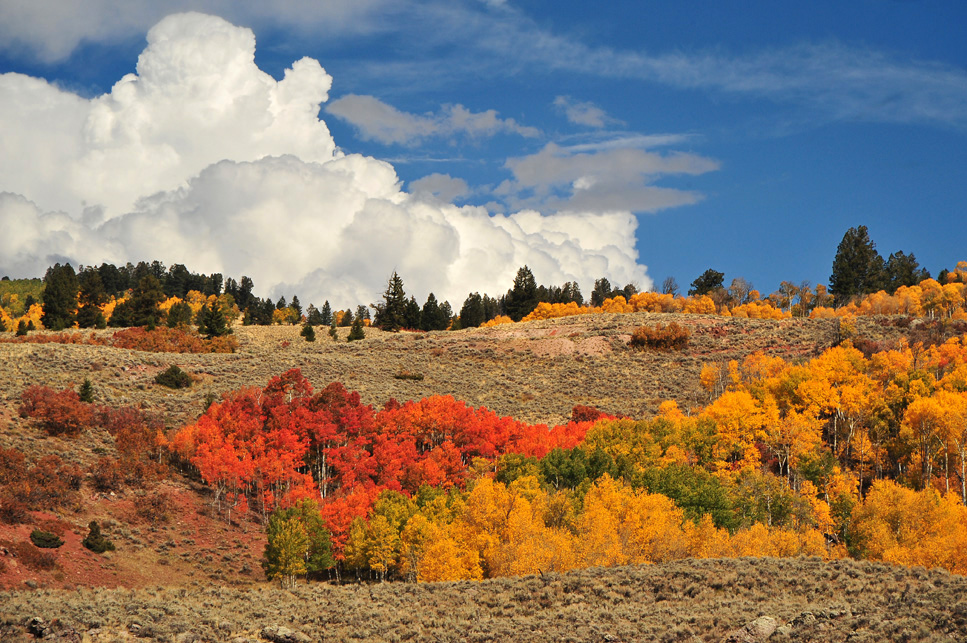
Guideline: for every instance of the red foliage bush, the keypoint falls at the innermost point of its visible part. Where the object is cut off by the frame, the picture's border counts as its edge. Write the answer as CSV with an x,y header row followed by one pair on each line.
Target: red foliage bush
x,y
154,508
52,482
171,340
106,474
56,338
13,510
581,413
32,557
660,337
58,412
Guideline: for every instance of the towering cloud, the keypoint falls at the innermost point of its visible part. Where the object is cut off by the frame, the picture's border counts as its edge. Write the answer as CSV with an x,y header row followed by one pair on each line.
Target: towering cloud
x,y
202,158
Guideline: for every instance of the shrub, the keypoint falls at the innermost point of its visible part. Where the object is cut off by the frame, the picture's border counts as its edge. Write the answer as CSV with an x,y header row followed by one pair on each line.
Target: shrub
x,y
45,539
408,375
660,337
308,332
13,510
106,474
32,557
58,412
171,340
581,413
95,540
174,377
153,508
53,482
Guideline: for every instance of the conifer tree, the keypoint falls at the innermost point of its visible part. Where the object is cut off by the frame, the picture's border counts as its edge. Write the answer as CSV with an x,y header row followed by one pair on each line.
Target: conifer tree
x,y
213,322
326,314
60,297
858,269
308,332
391,314
356,332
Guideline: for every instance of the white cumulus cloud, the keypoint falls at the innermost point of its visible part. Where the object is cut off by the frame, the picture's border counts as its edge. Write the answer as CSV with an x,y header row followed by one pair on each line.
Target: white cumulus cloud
x,y
203,159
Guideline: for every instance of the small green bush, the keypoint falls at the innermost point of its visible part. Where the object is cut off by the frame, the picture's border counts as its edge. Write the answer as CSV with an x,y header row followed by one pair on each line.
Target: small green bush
x,y
45,539
174,377
408,375
308,332
95,540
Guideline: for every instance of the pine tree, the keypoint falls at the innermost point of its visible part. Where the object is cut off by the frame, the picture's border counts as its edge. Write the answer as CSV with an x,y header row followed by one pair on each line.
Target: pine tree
x,y
308,332
86,392
60,297
92,297
522,298
296,305
433,316
472,311
314,317
356,332
145,302
213,322
391,314
707,282
326,314
22,328
858,269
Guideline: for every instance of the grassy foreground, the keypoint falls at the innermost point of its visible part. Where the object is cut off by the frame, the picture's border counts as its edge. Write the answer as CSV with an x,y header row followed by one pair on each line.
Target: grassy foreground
x,y
690,600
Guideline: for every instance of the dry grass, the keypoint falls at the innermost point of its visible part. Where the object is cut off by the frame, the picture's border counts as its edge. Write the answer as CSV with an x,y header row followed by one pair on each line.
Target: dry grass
x,y
692,600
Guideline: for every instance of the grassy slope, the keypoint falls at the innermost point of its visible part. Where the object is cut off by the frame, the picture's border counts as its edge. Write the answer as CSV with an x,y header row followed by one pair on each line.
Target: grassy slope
x,y
536,372
680,601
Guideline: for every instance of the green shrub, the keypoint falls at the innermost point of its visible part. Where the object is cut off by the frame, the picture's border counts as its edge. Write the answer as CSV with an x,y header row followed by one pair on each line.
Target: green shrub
x,y
308,332
174,377
45,539
408,375
95,540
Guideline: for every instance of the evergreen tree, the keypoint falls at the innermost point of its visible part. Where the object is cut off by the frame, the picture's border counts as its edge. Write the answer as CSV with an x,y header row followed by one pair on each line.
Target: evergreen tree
x,y
213,323
145,302
411,318
60,297
280,305
346,319
92,297
308,332
22,328
858,269
472,311
95,540
296,305
707,282
391,314
332,329
903,270
245,297
362,312
179,315
86,392
326,314
522,298
313,316
602,291
356,332
433,316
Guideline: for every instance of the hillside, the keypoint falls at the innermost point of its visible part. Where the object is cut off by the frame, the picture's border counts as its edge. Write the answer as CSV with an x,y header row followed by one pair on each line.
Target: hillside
x,y
180,556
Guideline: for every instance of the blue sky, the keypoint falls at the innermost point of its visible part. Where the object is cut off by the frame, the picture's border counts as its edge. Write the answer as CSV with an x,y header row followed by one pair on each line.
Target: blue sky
x,y
743,136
